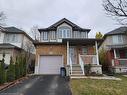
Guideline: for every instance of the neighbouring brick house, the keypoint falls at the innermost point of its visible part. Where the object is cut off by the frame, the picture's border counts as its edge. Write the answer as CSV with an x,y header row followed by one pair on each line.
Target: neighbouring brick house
x,y
13,42
65,44
115,45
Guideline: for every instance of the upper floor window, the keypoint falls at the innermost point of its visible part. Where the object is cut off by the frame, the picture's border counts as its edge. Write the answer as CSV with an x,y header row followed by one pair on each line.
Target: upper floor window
x,y
117,39
11,38
52,35
64,32
44,36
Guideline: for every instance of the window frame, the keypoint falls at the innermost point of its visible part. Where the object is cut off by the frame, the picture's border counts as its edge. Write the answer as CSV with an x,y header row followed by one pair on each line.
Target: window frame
x,y
44,36
117,39
64,32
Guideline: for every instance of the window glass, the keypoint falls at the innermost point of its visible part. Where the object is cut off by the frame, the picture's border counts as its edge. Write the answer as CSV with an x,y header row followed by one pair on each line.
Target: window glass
x,y
45,35
117,54
84,50
53,35
117,39
64,32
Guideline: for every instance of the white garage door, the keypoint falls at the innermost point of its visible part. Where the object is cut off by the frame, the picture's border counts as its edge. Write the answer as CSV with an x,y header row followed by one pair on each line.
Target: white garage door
x,y
50,64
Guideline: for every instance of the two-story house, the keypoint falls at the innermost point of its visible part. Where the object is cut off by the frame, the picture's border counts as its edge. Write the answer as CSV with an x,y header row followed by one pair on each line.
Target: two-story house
x,y
115,45
65,44
14,41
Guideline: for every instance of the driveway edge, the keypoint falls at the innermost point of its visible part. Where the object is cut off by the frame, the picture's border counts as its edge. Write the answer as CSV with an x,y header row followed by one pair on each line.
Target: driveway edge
x,y
10,84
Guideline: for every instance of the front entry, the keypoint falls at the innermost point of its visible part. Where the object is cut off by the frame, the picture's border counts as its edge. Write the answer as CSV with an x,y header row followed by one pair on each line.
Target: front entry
x,y
50,64
73,55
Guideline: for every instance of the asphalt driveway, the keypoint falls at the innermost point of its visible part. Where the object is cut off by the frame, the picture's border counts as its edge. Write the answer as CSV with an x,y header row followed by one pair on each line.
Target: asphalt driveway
x,y
40,85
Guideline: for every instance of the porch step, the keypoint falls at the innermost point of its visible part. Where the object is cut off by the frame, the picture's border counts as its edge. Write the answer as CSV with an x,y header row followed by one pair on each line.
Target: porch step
x,y
75,65
77,76
76,68
77,72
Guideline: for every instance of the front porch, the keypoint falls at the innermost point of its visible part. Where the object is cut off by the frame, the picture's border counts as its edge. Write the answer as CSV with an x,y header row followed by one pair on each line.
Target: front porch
x,y
80,53
119,60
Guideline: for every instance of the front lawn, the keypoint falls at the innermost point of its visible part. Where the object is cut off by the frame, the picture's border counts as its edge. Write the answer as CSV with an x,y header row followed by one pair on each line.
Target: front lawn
x,y
99,87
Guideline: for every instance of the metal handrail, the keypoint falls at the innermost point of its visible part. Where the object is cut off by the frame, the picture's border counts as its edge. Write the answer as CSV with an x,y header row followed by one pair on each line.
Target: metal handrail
x,y
81,64
70,62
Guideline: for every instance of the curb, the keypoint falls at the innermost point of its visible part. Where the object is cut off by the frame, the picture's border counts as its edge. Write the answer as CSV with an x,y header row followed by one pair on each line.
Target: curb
x,y
13,83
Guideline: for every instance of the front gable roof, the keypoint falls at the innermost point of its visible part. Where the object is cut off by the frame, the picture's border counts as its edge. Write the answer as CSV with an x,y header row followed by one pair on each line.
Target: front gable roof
x,y
64,20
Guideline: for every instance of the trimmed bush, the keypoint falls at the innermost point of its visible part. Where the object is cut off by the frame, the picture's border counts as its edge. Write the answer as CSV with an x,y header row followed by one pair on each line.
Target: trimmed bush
x,y
2,71
11,71
17,69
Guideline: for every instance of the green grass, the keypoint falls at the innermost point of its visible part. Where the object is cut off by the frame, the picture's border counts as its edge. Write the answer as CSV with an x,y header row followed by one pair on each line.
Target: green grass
x,y
99,87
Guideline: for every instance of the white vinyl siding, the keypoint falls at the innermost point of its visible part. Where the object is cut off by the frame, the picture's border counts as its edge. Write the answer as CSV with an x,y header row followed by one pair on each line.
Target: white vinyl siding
x,y
117,39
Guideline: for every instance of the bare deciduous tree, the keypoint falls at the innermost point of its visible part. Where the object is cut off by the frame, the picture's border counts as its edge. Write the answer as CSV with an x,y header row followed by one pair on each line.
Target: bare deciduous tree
x,y
116,9
2,17
35,33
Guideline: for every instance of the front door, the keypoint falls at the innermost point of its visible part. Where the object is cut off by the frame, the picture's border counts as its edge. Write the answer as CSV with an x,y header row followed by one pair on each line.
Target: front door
x,y
73,55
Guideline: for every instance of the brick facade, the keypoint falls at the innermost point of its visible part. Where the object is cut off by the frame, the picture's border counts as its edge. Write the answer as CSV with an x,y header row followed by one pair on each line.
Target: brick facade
x,y
52,50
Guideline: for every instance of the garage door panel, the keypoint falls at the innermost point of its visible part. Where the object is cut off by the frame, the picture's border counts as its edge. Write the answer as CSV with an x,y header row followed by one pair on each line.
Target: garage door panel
x,y
50,64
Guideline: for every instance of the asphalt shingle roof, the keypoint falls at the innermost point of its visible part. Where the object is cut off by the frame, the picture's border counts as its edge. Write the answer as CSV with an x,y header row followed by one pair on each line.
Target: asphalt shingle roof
x,y
13,29
121,30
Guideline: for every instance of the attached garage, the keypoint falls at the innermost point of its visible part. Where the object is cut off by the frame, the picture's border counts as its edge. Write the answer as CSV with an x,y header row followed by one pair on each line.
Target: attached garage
x,y
50,64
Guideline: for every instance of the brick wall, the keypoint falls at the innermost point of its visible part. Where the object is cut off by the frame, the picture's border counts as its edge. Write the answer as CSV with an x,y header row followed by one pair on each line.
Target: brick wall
x,y
51,50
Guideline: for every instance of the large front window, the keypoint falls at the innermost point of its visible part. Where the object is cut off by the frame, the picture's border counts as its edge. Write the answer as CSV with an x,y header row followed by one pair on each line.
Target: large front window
x,y
64,32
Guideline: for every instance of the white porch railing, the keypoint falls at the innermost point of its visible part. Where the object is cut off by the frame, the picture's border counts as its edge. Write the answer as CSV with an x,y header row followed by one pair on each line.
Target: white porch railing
x,y
121,62
70,62
89,59
81,64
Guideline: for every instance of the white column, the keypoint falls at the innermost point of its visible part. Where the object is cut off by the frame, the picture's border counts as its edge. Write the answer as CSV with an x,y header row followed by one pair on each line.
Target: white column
x,y
97,52
114,53
67,53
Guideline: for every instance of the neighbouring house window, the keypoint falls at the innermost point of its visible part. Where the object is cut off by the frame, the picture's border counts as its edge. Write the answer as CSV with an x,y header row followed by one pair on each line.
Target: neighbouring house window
x,y
44,36
125,53
117,39
64,32
11,38
117,54
84,50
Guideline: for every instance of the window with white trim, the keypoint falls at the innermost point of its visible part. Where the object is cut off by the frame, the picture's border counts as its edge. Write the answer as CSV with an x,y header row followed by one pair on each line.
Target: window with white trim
x,y
64,32
53,35
11,38
117,39
44,36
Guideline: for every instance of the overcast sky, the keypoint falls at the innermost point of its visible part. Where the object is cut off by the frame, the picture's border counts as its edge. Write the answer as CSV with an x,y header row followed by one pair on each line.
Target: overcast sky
x,y
85,13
